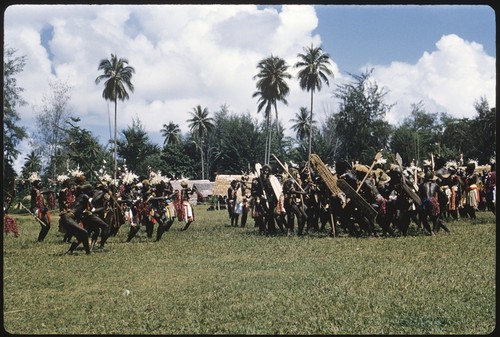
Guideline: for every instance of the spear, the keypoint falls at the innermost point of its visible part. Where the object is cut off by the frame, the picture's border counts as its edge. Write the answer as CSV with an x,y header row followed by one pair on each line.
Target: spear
x,y
286,170
34,216
377,158
30,212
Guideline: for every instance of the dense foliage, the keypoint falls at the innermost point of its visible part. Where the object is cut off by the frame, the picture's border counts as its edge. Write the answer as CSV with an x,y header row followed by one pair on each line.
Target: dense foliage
x,y
13,134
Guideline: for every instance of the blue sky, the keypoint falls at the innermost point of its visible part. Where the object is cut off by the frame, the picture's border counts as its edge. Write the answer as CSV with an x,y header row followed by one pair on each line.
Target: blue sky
x,y
188,55
354,35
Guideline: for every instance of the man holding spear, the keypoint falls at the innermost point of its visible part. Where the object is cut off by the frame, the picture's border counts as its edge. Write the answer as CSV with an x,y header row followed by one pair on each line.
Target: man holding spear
x,y
294,199
38,207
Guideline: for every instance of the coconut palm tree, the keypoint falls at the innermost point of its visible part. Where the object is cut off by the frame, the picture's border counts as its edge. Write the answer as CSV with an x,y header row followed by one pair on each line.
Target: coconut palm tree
x,y
313,71
200,125
171,132
301,123
32,163
117,75
271,88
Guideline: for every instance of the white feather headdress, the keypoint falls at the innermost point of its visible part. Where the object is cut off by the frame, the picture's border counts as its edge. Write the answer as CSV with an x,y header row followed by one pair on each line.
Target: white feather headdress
x,y
33,177
156,178
62,178
76,172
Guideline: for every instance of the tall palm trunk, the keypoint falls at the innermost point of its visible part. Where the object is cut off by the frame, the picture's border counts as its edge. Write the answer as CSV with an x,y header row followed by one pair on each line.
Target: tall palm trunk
x,y
270,142
277,128
114,151
115,216
269,139
310,129
54,162
202,164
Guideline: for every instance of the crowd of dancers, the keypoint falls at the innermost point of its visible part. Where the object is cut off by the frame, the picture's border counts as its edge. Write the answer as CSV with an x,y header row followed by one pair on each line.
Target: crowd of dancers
x,y
387,199
89,213
349,199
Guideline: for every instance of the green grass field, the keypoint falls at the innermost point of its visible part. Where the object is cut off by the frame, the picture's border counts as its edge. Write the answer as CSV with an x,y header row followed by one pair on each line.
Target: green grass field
x,y
217,279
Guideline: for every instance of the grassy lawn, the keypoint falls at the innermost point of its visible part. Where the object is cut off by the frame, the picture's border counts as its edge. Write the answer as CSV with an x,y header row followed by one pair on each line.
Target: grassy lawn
x,y
217,279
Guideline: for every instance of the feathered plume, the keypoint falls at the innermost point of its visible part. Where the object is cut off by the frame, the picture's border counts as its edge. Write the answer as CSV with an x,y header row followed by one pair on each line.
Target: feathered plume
x,y
33,176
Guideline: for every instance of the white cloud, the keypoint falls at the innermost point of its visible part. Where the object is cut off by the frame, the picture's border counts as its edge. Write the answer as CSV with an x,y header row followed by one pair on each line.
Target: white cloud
x,y
188,55
450,79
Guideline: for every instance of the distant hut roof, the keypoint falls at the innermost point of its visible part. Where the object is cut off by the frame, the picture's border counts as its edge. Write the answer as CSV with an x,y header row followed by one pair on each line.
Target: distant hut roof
x,y
223,181
205,187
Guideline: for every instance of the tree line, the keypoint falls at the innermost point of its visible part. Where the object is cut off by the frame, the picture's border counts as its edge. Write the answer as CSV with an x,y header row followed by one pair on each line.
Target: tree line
x,y
224,142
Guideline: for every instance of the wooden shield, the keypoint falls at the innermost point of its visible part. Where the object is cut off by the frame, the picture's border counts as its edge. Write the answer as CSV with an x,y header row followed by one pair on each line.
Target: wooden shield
x,y
406,188
399,160
411,193
258,166
355,197
275,183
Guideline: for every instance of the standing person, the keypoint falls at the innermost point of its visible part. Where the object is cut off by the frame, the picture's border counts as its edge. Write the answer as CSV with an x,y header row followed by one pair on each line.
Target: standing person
x,y
382,203
39,209
400,207
272,199
177,202
491,189
186,211
142,209
245,201
146,208
231,200
461,177
260,204
279,210
471,190
153,208
294,205
444,197
238,203
66,198
158,213
455,193
264,203
245,208
234,202
311,204
310,199
429,192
